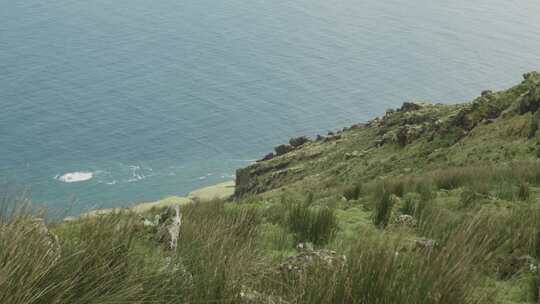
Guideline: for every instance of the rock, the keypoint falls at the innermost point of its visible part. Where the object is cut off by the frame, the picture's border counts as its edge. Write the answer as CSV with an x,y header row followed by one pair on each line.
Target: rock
x,y
389,112
330,133
283,149
304,246
268,156
332,137
529,101
353,154
405,220
358,126
486,93
308,257
298,141
169,223
410,106
426,244
249,296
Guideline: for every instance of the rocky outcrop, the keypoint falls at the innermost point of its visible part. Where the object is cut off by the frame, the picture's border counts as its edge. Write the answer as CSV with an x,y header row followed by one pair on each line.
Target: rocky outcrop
x,y
433,126
167,226
298,141
247,179
308,257
283,149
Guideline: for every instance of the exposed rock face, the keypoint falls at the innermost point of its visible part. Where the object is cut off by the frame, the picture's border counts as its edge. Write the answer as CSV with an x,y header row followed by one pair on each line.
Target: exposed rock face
x,y
404,220
437,126
283,149
168,226
298,141
530,101
426,244
411,106
247,178
268,156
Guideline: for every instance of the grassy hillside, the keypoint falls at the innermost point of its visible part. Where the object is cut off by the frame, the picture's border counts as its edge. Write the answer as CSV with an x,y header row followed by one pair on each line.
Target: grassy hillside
x,y
430,203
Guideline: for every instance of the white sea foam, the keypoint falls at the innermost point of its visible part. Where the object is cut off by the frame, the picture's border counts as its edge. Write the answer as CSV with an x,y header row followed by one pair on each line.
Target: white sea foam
x,y
74,177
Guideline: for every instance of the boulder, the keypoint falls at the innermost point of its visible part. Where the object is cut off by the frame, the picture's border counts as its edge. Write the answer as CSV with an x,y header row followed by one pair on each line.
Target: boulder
x,y
168,227
425,244
529,101
410,106
268,156
307,257
283,149
486,93
405,220
298,141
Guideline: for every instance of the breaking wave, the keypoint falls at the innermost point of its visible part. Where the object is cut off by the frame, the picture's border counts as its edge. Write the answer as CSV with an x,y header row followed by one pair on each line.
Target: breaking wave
x,y
75,177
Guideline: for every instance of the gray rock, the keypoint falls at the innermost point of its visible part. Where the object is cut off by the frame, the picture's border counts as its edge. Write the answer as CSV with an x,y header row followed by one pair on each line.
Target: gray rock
x,y
268,156
298,141
283,149
426,244
168,229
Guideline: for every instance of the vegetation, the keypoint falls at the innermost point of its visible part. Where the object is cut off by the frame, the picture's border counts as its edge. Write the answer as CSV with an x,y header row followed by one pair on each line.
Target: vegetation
x,y
428,204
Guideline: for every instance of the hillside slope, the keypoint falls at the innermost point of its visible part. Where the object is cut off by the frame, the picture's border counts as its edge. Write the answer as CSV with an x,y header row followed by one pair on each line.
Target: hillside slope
x,y
494,128
431,203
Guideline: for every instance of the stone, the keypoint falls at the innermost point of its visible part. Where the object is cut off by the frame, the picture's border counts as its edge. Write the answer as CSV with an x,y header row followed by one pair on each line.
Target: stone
x,y
283,149
304,246
169,224
405,220
352,154
529,101
268,156
410,106
486,93
426,244
298,141
308,257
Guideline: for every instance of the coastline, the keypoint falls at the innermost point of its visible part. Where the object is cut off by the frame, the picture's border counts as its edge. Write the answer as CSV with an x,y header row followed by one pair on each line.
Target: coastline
x,y
221,190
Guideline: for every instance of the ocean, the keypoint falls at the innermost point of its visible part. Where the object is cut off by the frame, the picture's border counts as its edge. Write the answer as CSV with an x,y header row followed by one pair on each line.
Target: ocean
x,y
105,103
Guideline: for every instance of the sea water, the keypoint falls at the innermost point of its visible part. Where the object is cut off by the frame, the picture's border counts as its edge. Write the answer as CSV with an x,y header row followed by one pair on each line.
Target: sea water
x,y
108,102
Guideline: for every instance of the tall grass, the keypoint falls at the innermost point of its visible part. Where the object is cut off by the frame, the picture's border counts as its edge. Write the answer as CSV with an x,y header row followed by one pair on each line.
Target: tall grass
x,y
376,270
383,206
99,263
317,226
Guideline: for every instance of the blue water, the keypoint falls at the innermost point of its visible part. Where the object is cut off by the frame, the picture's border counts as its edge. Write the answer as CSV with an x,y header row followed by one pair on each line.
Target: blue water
x,y
156,98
